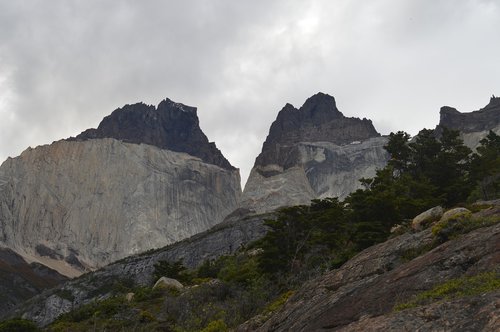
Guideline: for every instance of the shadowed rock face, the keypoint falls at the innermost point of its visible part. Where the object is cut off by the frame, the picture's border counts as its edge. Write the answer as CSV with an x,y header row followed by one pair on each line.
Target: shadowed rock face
x,y
171,126
473,126
313,152
318,120
486,118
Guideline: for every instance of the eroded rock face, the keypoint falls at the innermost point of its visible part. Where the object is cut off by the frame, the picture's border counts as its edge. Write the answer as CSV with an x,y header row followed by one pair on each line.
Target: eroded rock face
x,y
96,201
473,126
313,152
81,203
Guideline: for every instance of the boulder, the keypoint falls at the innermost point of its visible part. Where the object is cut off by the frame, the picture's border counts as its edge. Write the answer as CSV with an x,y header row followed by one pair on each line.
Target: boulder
x,y
165,282
455,214
129,297
426,218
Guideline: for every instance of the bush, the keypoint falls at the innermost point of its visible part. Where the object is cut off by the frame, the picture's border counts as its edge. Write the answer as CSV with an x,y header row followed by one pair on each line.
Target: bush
x,y
461,224
18,325
456,288
216,326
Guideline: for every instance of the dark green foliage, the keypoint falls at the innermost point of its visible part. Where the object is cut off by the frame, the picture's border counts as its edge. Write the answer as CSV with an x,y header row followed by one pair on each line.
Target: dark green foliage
x,y
175,270
485,168
303,238
18,325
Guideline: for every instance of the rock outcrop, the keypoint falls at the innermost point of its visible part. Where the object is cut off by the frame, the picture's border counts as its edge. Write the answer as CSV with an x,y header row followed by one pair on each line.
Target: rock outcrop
x,y
79,204
313,152
473,126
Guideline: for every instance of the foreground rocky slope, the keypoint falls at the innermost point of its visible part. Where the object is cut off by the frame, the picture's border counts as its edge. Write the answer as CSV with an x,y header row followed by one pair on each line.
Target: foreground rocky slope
x,y
362,294
313,152
80,204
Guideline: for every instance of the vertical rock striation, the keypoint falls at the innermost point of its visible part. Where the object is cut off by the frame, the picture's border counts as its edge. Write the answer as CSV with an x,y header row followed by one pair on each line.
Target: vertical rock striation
x,y
313,152
145,178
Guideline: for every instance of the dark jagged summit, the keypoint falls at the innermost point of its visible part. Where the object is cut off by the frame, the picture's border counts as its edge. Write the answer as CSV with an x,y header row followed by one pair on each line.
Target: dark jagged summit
x,y
486,118
318,120
172,126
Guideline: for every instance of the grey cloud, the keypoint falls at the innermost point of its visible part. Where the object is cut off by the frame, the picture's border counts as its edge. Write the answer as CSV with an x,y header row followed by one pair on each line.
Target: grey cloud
x,y
66,64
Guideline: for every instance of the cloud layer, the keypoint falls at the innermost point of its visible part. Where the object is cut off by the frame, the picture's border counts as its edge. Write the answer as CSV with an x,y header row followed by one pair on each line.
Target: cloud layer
x,y
64,65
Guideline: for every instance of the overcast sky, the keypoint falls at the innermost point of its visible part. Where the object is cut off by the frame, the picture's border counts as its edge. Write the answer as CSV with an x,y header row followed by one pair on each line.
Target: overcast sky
x,y
64,65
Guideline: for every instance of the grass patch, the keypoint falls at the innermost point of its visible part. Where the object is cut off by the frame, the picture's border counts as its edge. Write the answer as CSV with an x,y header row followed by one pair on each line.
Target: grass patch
x,y
452,228
278,303
455,288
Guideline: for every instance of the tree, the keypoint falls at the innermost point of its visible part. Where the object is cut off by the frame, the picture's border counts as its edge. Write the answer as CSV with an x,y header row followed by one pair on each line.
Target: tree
x,y
485,167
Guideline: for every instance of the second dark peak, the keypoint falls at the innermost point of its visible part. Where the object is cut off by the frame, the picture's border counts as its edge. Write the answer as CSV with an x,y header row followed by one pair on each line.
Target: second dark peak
x,y
171,126
318,120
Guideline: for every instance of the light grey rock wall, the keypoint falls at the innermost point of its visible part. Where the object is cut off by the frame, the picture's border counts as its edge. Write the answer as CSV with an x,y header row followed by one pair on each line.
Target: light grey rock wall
x,y
101,200
323,169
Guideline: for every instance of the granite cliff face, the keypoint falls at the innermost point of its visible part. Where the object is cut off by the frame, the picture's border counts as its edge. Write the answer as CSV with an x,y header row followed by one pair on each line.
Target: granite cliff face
x,y
313,152
79,204
473,126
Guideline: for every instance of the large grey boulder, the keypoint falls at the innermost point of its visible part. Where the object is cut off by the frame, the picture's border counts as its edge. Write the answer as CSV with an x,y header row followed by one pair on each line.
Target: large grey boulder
x,y
426,218
165,282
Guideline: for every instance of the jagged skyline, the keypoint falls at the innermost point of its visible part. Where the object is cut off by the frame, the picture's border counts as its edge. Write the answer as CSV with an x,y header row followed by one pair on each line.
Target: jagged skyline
x,y
64,65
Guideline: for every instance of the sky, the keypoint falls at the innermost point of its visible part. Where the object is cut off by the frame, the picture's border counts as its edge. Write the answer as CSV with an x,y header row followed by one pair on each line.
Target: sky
x,y
66,64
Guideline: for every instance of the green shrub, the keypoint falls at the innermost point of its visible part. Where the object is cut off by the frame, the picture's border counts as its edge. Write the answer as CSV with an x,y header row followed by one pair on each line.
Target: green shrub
x,y
461,224
65,294
456,288
175,270
18,325
216,326
278,303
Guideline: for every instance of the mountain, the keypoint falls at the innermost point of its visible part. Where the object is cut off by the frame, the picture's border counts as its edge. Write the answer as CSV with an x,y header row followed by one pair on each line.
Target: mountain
x,y
473,126
313,152
145,178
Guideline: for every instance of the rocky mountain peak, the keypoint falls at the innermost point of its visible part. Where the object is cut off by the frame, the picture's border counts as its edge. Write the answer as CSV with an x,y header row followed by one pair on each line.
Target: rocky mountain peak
x,y
487,118
318,120
319,107
171,126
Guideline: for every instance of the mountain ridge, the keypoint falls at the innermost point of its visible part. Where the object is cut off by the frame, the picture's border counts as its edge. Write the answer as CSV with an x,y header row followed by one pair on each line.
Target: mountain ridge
x,y
171,126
